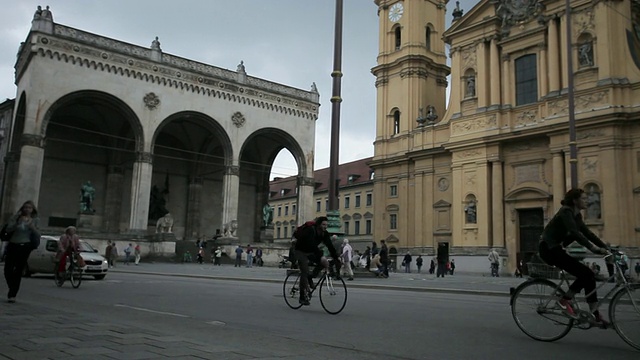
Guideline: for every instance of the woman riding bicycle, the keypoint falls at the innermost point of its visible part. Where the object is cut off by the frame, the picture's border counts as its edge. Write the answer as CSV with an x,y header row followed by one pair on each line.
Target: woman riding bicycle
x,y
68,245
566,227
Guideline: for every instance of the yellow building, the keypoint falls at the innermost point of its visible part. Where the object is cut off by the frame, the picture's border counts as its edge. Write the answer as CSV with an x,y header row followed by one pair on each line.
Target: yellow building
x,y
355,202
490,171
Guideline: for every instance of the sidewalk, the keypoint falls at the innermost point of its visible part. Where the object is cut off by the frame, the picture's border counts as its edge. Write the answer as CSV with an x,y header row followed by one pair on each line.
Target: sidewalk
x,y
472,284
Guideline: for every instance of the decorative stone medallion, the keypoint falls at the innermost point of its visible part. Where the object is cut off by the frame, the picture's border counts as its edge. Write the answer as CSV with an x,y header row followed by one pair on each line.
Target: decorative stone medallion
x,y
238,119
151,100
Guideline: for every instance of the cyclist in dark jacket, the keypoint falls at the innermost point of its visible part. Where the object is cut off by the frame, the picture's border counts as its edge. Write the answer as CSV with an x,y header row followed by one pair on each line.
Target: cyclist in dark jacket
x,y
566,227
307,247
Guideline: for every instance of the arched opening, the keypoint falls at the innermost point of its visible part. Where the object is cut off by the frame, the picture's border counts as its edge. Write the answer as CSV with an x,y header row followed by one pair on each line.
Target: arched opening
x,y
427,38
396,122
398,37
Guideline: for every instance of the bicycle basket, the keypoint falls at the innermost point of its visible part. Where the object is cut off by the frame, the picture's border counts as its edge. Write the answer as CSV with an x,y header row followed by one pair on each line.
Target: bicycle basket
x,y
542,271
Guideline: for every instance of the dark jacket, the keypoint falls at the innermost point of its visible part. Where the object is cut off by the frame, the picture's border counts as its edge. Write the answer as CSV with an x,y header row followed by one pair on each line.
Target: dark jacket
x,y
311,237
567,227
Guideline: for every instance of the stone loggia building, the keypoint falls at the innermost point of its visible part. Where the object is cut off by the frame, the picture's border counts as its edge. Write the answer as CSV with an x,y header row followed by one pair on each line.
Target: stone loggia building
x,y
133,119
490,169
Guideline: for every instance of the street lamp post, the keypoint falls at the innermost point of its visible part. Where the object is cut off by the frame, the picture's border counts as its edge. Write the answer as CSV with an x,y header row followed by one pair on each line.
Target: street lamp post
x,y
333,213
573,150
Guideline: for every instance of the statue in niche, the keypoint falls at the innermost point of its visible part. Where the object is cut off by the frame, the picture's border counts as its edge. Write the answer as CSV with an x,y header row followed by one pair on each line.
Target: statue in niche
x,y
593,203
267,214
585,54
471,86
470,210
87,194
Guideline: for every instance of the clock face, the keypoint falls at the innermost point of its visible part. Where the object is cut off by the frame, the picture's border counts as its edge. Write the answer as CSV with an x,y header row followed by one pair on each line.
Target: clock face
x,y
395,12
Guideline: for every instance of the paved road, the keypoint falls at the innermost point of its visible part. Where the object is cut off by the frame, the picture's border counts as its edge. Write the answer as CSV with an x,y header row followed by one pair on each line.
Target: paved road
x,y
145,316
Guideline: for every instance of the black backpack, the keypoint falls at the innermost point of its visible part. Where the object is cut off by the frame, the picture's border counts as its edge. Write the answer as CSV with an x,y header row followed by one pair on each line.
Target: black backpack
x,y
298,232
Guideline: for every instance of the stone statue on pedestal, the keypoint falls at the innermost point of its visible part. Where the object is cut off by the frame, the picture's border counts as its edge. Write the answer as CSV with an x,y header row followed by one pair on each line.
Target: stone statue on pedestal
x,y
87,194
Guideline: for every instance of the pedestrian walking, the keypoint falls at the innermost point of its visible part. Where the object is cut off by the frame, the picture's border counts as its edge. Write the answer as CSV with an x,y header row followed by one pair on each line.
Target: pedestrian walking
x,y
23,227
367,256
107,253
347,256
406,262
136,253
419,263
114,254
494,259
239,252
432,266
384,257
442,260
127,254
218,256
249,256
452,267
259,261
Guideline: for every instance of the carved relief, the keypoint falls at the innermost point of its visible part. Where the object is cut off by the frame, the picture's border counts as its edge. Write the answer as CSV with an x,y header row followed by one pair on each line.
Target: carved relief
x,y
232,170
443,184
470,179
238,119
468,57
145,157
587,134
529,117
590,101
467,153
583,20
558,107
151,100
527,173
475,125
525,146
590,165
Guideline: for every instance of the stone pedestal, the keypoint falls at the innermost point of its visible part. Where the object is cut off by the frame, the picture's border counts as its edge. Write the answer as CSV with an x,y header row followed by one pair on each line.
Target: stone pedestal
x,y
162,237
89,222
227,240
266,234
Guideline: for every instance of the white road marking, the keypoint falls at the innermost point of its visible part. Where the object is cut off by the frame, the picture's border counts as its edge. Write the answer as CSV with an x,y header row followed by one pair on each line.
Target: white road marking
x,y
151,311
218,323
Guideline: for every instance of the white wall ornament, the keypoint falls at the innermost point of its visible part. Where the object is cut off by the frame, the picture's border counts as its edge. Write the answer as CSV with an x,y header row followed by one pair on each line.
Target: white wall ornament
x,y
238,119
151,101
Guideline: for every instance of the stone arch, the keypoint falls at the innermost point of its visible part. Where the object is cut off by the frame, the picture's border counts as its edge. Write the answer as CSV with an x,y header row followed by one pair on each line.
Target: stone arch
x,y
278,140
102,98
18,123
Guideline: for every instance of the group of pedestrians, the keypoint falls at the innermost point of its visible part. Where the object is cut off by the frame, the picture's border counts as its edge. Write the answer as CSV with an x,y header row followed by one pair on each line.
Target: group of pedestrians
x,y
250,258
111,253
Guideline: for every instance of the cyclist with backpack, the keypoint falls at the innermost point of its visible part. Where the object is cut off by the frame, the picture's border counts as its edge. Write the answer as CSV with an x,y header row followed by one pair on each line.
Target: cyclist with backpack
x,y
308,237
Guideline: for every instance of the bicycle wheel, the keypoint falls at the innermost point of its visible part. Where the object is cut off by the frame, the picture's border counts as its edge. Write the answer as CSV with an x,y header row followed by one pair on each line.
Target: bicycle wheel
x,y
333,294
534,309
291,290
75,275
624,312
56,276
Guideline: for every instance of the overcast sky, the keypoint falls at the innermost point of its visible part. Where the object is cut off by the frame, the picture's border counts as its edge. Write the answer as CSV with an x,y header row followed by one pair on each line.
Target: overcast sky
x,y
286,41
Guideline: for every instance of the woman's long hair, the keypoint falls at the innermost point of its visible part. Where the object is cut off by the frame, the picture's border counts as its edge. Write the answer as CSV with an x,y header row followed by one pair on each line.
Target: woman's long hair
x,y
34,213
571,196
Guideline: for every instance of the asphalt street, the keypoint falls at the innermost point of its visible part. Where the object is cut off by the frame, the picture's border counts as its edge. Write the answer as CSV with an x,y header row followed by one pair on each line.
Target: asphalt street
x,y
187,313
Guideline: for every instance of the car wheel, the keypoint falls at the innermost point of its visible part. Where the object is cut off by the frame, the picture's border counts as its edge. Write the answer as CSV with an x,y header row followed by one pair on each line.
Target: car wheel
x,y
99,277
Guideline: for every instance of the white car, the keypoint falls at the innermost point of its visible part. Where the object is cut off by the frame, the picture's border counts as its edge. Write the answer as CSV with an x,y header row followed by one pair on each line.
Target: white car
x,y
41,260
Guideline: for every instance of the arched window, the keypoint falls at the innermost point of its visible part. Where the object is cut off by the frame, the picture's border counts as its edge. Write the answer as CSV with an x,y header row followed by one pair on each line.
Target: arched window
x,y
398,33
428,38
396,122
471,210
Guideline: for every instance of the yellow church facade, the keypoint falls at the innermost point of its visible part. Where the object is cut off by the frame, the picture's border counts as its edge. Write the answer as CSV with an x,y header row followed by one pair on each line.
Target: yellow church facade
x,y
489,169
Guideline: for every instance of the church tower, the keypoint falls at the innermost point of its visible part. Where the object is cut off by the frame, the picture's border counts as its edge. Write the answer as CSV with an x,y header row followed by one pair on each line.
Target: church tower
x,y
411,84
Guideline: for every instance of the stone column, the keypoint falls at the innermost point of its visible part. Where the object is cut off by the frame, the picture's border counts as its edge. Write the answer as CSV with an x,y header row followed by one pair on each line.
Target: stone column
x,y
11,162
231,192
506,80
113,199
194,203
141,192
553,53
544,75
306,211
483,79
497,204
29,174
558,179
495,72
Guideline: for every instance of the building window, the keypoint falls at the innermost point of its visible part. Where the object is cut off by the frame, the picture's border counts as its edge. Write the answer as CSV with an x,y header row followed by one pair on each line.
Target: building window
x,y
526,80
368,227
393,221
286,232
393,190
369,199
357,230
279,210
357,201
428,38
278,233
293,209
293,229
286,210
318,206
396,122
346,228
326,204
347,202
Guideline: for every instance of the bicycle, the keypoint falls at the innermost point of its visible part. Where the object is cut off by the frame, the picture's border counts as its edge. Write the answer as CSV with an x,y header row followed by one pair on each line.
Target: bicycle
x,y
534,309
333,291
73,271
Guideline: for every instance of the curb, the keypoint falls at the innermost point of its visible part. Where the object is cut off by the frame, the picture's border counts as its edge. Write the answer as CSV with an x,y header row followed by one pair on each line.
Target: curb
x,y
354,285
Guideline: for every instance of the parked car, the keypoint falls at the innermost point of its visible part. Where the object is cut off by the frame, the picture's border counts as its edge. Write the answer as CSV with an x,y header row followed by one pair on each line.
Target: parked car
x,y
42,259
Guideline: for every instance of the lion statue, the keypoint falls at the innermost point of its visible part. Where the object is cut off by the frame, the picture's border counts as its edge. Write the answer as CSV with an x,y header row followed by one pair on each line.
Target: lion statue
x,y
165,224
230,228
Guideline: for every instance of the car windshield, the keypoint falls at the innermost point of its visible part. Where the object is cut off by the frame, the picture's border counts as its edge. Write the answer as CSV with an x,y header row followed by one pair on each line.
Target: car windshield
x,y
85,247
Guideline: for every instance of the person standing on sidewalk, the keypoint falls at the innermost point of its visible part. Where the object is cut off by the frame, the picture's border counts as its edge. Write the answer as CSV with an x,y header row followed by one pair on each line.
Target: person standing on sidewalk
x,y
442,262
406,262
217,256
494,259
249,256
136,253
419,263
432,266
239,252
114,254
384,257
127,254
452,267
23,227
347,256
